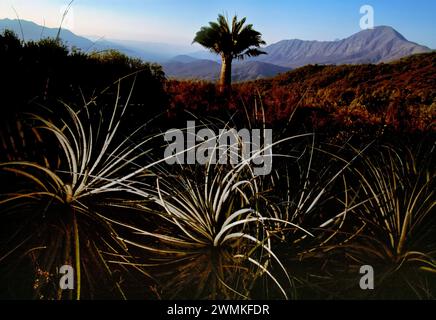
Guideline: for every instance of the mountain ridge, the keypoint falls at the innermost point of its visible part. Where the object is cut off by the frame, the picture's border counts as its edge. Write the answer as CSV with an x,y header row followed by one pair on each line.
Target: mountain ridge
x,y
381,44
34,32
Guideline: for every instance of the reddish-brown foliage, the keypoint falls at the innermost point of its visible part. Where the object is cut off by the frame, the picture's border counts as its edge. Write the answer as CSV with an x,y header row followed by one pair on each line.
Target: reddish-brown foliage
x,y
400,95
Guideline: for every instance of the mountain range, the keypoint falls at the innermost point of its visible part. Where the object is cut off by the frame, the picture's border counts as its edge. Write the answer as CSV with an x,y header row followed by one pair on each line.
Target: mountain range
x,y
381,44
30,31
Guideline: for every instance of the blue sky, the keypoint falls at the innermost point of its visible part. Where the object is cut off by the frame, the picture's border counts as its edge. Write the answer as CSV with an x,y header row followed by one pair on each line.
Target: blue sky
x,y
176,21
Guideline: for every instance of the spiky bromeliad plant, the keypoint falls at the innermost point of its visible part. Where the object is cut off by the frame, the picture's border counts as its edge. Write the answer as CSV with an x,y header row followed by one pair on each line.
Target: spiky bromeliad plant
x,y
55,203
212,230
393,229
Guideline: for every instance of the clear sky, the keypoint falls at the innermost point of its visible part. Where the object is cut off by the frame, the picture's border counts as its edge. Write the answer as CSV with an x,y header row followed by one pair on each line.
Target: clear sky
x,y
176,21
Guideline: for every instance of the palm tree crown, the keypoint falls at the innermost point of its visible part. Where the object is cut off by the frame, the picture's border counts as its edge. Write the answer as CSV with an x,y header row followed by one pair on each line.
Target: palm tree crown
x,y
231,42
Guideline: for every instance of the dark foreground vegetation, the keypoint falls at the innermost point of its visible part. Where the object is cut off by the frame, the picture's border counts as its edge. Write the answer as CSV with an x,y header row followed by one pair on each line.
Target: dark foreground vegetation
x,y
84,182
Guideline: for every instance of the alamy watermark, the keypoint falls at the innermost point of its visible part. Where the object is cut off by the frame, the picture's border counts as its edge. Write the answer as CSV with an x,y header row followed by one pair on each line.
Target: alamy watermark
x,y
66,281
367,20
228,146
367,280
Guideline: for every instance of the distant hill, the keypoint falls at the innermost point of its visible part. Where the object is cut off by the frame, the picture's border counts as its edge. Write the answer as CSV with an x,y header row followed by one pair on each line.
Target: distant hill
x,y
183,58
252,70
381,44
186,67
196,69
35,32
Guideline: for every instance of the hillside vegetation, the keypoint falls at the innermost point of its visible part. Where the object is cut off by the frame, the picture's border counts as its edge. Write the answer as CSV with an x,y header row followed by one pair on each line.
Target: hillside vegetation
x,y
400,95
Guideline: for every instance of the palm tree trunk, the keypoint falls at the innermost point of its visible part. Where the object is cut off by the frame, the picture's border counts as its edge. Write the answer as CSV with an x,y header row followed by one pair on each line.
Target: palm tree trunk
x,y
226,74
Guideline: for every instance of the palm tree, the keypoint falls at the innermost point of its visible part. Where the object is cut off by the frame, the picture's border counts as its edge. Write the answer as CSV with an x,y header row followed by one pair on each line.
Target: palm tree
x,y
235,42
